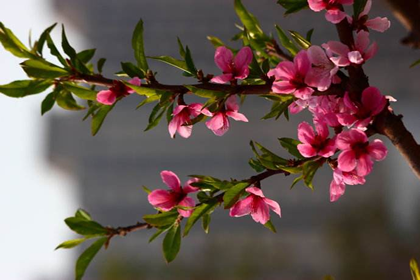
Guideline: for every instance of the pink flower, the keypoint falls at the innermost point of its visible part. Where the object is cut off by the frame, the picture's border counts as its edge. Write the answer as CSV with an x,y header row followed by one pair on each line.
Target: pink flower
x,y
333,7
109,96
219,123
233,68
361,113
326,108
166,200
357,152
315,144
360,52
323,72
340,180
255,204
182,115
290,76
363,22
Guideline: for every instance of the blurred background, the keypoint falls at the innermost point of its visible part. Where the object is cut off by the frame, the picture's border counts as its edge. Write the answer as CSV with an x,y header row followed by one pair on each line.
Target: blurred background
x,y
50,166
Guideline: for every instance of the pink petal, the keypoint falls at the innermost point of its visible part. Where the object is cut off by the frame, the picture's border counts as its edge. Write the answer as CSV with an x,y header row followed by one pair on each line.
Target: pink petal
x,y
223,58
362,41
242,60
318,77
349,104
237,116
162,199
347,161
367,8
306,133
186,202
373,100
173,126
321,129
285,71
306,150
106,97
219,124
185,131
255,191
317,5
302,63
231,103
136,82
242,207
346,2
178,109
337,189
188,188
171,180
260,211
346,119
283,87
337,48
304,93
273,205
371,51
378,24
295,108
318,57
364,165
222,79
377,150
329,149
335,16
355,57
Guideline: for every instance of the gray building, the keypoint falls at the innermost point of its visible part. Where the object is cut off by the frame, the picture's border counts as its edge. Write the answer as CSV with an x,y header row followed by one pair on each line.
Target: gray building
x,y
370,233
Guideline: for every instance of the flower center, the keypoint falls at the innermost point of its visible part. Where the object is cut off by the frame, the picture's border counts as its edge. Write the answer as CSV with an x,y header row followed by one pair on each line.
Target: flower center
x,y
360,149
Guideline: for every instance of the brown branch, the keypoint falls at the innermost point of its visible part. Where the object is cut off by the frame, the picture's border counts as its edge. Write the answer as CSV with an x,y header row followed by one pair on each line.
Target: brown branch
x,y
123,231
408,13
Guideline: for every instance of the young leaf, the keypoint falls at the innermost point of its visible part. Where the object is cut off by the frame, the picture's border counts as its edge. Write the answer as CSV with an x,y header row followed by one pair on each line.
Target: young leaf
x,y
295,181
43,38
54,51
215,41
155,116
198,213
12,44
86,55
232,195
161,219
86,257
206,223
309,35
206,93
132,70
42,69
81,92
158,233
309,170
190,63
293,6
291,146
138,47
101,63
172,243
181,48
66,101
99,117
48,103
415,272
71,243
85,227
300,39
24,88
249,21
68,49
80,213
358,7
173,62
270,226
256,165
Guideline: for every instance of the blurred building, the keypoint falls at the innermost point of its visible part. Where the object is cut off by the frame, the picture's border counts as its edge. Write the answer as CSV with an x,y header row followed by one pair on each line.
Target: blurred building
x,y
369,234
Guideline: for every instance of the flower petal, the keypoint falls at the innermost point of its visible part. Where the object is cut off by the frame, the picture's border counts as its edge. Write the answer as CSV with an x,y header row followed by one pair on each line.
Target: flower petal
x,y
260,211
186,202
337,189
283,87
171,180
364,165
373,100
378,24
223,57
302,63
188,188
242,207
242,60
306,150
377,150
335,16
273,205
237,116
106,97
222,79
347,161
162,199
306,133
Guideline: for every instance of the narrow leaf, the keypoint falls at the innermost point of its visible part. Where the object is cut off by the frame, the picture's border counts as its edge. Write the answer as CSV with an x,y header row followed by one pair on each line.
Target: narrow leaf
x,y
232,195
48,103
87,256
197,214
99,118
138,46
24,88
161,219
414,268
172,243
71,243
85,227
291,146
81,92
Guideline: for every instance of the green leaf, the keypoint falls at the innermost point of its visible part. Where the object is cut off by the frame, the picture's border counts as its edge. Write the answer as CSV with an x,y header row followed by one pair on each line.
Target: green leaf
x,y
173,62
42,69
295,181
67,48
293,6
161,219
198,213
86,55
43,38
309,171
86,257
101,63
358,7
80,213
206,223
268,155
132,70
270,226
215,41
415,63
279,108
99,117
138,47
206,93
233,194
172,243
256,165
181,48
148,100
291,146
85,227
81,92
190,63
12,44
414,268
305,44
146,189
155,116
54,51
158,233
48,103
309,35
66,101
249,21
71,243
142,90
24,88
